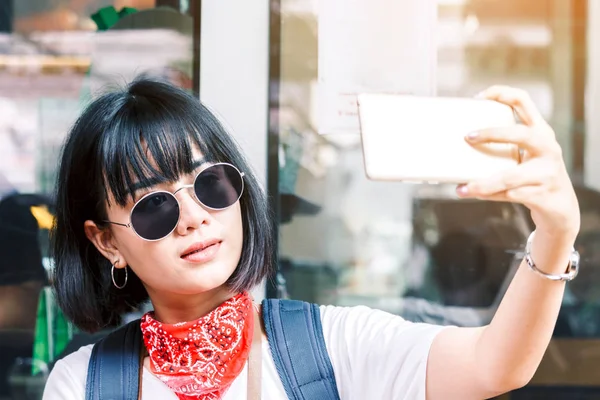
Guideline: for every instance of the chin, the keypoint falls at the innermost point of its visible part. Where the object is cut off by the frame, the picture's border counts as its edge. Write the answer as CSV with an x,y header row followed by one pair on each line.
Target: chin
x,y
207,279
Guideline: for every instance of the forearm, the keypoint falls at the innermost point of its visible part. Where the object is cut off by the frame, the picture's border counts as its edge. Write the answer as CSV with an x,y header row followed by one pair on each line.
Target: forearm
x,y
480,362
511,347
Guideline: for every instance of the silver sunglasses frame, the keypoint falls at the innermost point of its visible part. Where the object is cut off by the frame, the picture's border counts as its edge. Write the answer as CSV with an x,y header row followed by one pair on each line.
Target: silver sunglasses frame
x,y
129,225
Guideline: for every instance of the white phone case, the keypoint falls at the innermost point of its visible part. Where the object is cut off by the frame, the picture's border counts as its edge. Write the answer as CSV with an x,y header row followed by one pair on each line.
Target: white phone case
x,y
422,139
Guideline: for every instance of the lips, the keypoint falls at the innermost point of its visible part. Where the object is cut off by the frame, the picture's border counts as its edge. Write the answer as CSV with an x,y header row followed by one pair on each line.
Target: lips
x,y
202,252
199,247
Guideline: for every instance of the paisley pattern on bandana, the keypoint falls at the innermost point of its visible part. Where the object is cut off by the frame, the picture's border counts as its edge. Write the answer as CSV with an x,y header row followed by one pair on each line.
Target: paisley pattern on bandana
x,y
201,359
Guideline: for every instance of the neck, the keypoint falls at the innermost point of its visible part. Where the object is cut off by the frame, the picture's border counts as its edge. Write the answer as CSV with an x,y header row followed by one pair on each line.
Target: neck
x,y
182,308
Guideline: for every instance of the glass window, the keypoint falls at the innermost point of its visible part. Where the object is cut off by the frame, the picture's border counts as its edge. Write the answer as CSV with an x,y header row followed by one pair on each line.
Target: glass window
x,y
419,251
54,56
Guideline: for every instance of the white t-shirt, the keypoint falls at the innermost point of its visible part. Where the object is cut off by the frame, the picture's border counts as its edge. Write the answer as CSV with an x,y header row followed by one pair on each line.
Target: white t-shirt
x,y
375,355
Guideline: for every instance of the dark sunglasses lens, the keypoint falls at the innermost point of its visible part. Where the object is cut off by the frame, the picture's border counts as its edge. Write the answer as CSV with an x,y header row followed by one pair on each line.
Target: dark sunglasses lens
x,y
155,216
219,186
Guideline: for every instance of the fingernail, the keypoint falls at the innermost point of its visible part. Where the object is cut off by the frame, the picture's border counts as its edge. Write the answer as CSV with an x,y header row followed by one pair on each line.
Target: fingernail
x,y
462,190
472,135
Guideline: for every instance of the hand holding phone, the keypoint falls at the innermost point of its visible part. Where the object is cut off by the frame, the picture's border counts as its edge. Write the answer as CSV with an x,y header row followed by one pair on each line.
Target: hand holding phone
x,y
406,138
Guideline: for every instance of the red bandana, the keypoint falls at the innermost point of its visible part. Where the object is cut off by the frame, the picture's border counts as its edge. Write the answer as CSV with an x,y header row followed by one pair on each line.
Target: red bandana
x,y
201,359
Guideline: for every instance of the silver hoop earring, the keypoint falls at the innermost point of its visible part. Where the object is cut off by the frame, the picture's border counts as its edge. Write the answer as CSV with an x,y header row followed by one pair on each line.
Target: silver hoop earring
x,y
112,275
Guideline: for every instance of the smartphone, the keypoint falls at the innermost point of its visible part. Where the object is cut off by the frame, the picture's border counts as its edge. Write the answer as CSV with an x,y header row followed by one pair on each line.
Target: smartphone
x,y
422,139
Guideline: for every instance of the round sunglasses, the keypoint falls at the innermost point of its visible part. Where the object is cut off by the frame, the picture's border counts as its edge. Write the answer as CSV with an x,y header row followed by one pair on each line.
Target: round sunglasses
x,y
156,215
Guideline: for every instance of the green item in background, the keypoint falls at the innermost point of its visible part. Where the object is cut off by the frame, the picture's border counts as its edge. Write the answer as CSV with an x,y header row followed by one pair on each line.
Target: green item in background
x,y
126,11
52,331
106,17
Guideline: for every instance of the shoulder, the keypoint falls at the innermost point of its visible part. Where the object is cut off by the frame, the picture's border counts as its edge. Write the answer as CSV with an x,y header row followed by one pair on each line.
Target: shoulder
x,y
369,347
369,321
77,360
68,377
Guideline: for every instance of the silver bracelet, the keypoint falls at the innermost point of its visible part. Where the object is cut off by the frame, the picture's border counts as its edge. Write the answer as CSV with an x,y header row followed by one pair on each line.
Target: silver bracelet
x,y
570,273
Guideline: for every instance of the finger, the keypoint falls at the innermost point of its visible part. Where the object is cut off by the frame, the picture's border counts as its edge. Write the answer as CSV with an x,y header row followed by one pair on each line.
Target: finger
x,y
526,195
522,136
520,176
518,99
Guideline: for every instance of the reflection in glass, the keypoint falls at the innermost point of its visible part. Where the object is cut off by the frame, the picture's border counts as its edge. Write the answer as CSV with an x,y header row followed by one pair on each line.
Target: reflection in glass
x,y
418,251
53,59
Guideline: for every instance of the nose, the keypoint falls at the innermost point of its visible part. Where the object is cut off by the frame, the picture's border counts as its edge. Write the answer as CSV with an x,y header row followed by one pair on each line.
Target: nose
x,y
192,214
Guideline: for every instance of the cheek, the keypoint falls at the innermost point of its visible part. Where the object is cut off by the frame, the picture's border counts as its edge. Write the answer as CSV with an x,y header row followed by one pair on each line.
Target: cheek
x,y
235,226
231,223
135,249
151,261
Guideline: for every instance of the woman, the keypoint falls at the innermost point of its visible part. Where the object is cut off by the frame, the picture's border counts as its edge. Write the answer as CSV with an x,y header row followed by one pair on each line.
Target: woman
x,y
127,168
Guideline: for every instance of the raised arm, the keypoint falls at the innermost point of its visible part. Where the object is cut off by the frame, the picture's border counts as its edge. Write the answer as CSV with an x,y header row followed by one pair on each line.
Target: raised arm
x,y
478,363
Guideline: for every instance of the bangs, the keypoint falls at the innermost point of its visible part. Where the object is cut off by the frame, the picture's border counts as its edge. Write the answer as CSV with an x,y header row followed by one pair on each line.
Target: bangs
x,y
153,141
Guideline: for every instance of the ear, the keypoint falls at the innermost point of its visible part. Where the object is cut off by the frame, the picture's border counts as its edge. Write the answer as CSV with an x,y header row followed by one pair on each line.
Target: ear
x,y
105,243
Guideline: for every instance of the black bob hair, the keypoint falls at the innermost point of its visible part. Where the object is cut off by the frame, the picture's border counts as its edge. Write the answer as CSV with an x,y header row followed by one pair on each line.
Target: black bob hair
x,y
106,152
